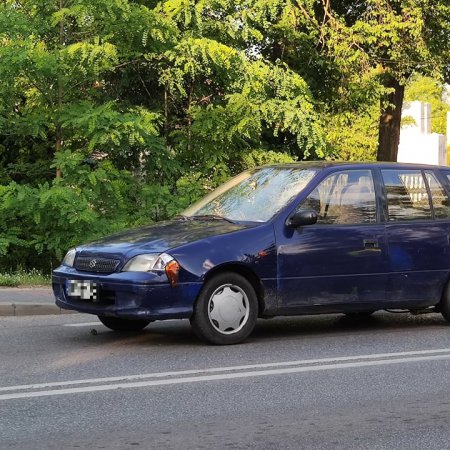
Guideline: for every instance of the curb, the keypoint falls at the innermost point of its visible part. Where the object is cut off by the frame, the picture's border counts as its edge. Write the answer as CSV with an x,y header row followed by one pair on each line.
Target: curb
x,y
32,309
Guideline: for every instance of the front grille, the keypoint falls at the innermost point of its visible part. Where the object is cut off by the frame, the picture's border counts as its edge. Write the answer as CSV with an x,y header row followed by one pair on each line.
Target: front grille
x,y
99,265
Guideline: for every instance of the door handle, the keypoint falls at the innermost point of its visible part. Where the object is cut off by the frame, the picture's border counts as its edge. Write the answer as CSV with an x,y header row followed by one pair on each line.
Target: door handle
x,y
370,244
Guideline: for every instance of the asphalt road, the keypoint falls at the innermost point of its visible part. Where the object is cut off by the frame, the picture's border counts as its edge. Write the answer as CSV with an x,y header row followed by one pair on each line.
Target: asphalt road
x,y
310,382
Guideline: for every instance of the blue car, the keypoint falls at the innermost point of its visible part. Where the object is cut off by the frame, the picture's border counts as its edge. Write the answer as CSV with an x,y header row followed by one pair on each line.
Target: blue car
x,y
305,238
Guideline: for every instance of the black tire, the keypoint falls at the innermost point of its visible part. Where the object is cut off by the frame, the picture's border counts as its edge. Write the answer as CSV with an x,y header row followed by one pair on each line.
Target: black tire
x,y
444,305
230,290
359,314
116,324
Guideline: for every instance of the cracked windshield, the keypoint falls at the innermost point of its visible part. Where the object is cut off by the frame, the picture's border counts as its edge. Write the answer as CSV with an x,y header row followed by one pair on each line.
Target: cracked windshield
x,y
254,196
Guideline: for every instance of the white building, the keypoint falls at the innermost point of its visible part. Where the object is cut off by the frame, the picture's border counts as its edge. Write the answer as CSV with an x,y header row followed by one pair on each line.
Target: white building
x,y
417,143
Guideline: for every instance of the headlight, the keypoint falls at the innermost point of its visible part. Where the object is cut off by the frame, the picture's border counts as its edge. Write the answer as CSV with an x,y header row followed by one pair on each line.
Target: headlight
x,y
147,262
155,263
140,263
69,258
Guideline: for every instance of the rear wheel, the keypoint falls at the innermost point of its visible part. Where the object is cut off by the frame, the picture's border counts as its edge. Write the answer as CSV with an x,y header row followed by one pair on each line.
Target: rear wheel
x,y
117,324
444,306
226,310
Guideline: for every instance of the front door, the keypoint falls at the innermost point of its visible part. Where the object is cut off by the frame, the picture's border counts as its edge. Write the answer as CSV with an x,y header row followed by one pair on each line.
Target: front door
x,y
341,260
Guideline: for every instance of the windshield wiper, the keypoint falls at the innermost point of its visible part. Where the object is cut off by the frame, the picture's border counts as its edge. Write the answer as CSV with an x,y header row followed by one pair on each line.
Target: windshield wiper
x,y
212,217
204,217
181,217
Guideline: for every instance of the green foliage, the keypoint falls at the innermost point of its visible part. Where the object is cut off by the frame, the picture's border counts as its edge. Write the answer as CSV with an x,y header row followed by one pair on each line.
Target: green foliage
x,y
427,89
117,113
354,137
40,223
105,126
408,120
395,37
260,157
62,79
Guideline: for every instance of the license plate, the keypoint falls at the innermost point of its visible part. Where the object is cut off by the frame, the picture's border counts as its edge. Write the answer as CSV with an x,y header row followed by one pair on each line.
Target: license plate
x,y
84,289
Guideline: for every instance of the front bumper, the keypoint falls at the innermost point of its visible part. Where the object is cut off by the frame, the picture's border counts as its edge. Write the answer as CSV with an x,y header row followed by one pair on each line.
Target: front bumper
x,y
130,295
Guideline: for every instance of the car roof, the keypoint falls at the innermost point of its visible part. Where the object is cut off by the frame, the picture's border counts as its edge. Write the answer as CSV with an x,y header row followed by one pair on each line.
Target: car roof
x,y
354,164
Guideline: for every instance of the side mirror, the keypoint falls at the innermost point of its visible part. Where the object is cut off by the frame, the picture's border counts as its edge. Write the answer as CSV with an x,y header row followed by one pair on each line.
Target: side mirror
x,y
302,217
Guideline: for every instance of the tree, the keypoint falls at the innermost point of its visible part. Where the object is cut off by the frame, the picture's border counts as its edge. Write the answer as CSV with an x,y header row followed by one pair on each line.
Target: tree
x,y
115,113
394,40
58,58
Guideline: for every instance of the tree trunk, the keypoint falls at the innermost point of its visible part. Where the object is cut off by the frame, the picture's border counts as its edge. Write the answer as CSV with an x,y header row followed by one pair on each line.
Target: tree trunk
x,y
166,113
58,146
390,120
189,117
58,127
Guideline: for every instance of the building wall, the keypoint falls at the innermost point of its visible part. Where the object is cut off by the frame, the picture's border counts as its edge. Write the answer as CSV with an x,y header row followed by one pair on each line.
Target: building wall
x,y
417,143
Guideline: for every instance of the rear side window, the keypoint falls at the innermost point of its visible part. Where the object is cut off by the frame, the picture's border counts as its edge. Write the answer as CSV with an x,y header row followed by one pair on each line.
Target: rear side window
x,y
439,198
407,196
346,197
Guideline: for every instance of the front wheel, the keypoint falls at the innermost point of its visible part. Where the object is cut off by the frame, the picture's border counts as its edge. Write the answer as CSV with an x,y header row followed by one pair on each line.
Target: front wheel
x,y
226,310
117,324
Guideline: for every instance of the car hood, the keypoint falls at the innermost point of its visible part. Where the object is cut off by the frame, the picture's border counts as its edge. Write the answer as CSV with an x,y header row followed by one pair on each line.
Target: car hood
x,y
159,237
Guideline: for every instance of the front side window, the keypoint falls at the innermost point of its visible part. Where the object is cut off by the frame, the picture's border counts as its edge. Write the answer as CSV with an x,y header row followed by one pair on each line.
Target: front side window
x,y
254,196
346,197
407,196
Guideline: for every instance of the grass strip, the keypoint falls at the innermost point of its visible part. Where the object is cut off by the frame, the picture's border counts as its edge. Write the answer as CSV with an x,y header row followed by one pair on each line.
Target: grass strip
x,y
24,279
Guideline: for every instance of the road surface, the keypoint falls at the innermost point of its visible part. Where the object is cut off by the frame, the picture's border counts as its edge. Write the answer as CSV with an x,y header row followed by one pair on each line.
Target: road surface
x,y
297,383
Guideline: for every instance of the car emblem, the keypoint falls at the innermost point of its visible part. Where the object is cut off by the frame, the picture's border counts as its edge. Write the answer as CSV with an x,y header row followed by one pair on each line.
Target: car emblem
x,y
92,263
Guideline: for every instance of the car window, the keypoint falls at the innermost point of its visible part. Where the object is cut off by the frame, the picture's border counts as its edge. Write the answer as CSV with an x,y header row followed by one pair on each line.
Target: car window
x,y
439,198
407,196
254,196
346,197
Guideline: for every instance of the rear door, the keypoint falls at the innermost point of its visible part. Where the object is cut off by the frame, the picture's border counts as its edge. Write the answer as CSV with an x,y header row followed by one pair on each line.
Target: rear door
x,y
417,232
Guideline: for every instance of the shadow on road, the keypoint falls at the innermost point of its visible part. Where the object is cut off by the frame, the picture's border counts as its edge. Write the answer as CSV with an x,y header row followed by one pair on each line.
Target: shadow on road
x,y
179,333
339,324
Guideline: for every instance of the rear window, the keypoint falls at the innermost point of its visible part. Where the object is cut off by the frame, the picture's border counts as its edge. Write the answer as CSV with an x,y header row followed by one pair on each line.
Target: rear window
x,y
407,195
439,197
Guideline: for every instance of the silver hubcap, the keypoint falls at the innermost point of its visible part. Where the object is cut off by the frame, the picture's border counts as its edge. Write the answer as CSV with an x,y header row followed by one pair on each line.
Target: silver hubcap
x,y
228,309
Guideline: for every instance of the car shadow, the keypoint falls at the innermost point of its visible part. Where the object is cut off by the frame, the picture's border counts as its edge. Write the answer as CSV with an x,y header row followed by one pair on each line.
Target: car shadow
x,y
341,324
179,333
